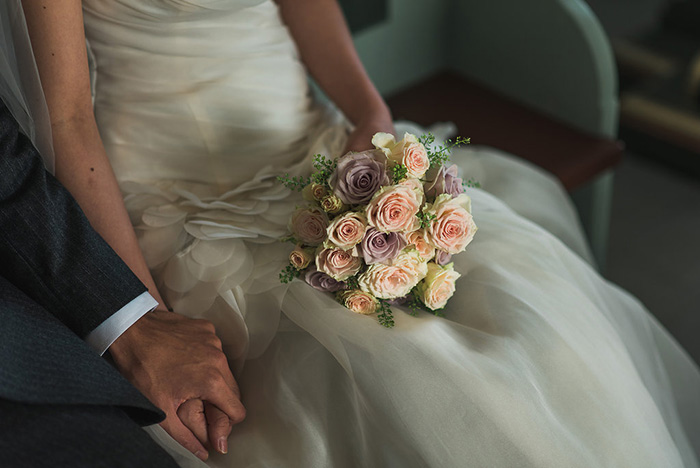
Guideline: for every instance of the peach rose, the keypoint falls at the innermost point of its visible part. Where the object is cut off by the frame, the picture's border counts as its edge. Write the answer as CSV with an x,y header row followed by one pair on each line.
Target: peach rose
x,y
359,301
301,257
438,286
452,227
347,230
394,209
308,225
408,151
396,279
337,263
416,239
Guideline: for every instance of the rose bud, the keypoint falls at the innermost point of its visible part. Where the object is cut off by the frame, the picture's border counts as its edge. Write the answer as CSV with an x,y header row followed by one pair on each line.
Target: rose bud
x,y
301,257
358,301
332,204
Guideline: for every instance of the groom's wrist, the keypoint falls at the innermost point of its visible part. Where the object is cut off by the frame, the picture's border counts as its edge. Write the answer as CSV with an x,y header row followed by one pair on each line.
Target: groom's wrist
x,y
102,337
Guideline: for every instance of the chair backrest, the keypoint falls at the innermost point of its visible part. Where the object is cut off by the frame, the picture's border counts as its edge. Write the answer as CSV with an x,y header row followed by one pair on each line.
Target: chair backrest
x,y
550,54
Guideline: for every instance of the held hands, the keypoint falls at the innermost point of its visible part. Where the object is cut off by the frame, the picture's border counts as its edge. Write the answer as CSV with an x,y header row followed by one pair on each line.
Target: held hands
x,y
178,364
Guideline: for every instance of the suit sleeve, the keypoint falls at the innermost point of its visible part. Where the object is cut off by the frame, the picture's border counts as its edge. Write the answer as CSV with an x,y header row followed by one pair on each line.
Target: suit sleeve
x,y
48,248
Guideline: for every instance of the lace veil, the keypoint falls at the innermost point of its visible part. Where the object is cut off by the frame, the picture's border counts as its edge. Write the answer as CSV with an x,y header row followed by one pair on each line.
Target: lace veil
x,y
20,86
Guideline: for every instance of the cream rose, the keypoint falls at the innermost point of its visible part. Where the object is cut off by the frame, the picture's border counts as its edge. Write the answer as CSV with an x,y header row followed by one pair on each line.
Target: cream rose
x,y
308,225
408,151
452,227
332,204
394,208
347,230
438,286
314,192
337,263
359,301
424,248
301,257
396,279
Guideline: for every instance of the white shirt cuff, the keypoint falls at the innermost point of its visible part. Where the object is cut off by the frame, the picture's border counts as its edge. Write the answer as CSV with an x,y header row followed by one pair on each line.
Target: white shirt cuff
x,y
106,333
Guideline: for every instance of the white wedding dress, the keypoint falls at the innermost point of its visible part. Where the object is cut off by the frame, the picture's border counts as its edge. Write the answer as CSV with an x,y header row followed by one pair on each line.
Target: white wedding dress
x,y
538,362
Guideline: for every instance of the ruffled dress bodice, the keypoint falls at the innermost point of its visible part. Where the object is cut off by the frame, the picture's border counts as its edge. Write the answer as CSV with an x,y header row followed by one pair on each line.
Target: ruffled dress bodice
x,y
206,91
201,105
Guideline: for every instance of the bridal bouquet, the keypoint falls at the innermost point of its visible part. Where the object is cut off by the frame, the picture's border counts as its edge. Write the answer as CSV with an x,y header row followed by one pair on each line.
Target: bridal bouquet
x,y
380,226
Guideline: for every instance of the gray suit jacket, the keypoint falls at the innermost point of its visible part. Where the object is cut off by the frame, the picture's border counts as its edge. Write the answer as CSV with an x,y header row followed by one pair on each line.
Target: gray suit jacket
x,y
60,403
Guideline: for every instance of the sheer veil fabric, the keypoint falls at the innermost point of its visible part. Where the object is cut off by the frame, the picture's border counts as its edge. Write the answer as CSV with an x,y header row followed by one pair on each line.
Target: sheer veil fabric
x,y
538,362
20,87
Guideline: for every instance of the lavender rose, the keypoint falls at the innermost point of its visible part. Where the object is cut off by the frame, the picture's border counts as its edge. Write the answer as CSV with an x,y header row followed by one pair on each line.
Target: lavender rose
x,y
442,258
321,281
358,176
443,180
378,246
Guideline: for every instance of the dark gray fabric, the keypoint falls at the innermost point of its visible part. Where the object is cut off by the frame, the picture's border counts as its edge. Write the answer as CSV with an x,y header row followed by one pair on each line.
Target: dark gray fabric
x,y
47,247
38,436
61,404
42,361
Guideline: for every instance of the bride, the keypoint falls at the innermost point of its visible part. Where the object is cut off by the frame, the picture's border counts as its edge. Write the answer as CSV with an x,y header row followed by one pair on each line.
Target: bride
x,y
198,106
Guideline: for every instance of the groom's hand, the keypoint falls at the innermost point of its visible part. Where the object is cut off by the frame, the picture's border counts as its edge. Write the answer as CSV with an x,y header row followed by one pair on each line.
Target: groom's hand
x,y
173,360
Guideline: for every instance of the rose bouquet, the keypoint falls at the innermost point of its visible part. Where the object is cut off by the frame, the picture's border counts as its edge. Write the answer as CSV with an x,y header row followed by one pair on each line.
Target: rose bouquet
x,y
380,226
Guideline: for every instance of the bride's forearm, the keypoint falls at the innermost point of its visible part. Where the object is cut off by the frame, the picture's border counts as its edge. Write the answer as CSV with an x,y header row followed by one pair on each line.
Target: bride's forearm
x,y
58,41
83,168
327,50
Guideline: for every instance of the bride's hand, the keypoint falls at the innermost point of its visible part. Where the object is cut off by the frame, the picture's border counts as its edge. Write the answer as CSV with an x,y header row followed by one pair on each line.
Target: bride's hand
x,y
175,361
360,139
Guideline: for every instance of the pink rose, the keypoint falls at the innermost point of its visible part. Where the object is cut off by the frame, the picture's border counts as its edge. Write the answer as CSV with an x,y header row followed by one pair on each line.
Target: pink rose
x,y
347,231
359,301
308,225
416,238
452,226
415,158
337,263
394,280
394,209
438,286
408,152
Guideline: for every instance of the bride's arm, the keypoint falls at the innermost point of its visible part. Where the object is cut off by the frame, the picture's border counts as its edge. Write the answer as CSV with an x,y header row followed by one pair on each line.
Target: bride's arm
x,y
148,351
327,50
58,40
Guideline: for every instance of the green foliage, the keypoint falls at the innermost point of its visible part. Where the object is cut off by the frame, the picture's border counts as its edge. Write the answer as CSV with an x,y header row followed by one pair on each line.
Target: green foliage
x,y
471,183
440,154
352,282
386,316
414,303
289,273
324,169
399,173
425,218
294,183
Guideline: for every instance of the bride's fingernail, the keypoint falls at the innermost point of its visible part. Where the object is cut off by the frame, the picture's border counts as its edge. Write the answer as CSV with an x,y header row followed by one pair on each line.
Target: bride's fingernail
x,y
222,445
201,455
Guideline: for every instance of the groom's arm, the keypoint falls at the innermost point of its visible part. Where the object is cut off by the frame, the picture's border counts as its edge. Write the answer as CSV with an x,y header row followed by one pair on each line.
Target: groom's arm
x,y
47,247
49,250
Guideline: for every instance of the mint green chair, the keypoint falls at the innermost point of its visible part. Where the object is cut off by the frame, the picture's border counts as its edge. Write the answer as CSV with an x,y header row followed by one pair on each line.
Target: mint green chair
x,y
551,55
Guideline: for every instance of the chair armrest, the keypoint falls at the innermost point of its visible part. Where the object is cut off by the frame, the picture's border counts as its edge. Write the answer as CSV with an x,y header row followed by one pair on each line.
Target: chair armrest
x,y
550,54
